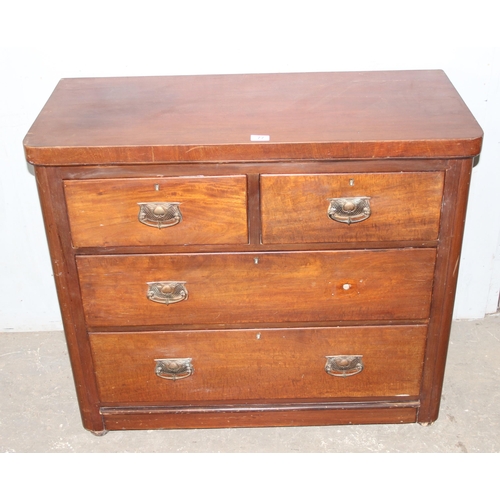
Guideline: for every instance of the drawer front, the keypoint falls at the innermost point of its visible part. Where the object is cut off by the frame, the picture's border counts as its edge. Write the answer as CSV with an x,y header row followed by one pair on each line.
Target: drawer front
x,y
258,364
240,288
158,211
363,207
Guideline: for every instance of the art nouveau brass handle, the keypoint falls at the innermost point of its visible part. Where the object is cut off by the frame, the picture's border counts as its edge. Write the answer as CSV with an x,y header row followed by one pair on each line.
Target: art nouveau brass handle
x,y
167,292
174,368
349,210
159,214
344,366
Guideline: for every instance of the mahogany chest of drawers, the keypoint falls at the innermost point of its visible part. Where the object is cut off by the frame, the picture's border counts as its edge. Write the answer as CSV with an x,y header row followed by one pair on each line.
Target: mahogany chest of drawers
x,y
255,250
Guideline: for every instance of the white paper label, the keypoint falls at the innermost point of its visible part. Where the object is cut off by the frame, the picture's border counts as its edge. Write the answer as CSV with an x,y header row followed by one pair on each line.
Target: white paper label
x,y
260,138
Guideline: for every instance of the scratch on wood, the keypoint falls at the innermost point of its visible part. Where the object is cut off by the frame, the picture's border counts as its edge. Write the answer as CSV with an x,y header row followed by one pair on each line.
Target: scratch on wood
x,y
455,269
193,148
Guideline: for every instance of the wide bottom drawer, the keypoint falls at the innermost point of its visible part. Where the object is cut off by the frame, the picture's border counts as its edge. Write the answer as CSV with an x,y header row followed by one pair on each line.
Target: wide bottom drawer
x,y
250,365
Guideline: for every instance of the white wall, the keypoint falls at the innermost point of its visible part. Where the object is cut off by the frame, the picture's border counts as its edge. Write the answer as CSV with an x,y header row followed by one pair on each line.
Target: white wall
x,y
41,42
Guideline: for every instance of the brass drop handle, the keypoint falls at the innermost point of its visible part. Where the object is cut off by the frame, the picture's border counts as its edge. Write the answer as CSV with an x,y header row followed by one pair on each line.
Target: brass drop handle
x,y
167,292
159,214
344,365
349,210
174,368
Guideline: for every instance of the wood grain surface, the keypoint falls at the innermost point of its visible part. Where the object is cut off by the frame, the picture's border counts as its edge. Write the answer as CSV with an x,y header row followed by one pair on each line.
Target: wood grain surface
x,y
263,364
104,212
279,287
212,118
404,206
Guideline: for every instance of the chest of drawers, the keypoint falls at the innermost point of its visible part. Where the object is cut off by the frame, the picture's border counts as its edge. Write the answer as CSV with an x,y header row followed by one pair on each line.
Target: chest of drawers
x,y
255,250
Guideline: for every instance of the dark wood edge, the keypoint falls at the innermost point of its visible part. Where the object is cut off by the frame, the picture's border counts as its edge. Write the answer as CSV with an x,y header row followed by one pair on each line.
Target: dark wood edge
x,y
254,230
264,405
456,187
254,326
256,246
258,418
54,213
232,167
74,155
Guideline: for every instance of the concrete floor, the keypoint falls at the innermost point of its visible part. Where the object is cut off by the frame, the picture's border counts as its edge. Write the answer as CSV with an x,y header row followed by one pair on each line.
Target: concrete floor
x,y
39,412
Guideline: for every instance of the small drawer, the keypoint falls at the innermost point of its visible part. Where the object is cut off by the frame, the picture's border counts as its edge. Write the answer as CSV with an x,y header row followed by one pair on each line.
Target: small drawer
x,y
250,288
328,208
157,211
195,366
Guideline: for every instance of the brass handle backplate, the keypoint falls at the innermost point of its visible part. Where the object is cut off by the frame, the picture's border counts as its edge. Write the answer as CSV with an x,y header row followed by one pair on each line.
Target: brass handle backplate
x,y
167,292
159,214
174,368
349,210
344,366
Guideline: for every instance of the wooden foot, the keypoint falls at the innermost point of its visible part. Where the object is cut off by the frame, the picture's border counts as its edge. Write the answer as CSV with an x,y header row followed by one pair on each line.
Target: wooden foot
x,y
426,424
99,433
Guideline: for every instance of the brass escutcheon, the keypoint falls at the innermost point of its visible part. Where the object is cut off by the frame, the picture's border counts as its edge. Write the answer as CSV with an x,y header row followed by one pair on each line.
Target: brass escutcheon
x,y
344,365
174,368
159,214
349,210
167,292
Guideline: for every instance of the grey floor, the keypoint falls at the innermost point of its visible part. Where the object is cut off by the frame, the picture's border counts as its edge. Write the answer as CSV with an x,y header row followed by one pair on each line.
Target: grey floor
x,y
38,411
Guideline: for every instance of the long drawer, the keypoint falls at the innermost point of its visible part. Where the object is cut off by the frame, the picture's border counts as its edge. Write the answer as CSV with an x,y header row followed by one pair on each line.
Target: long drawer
x,y
158,211
242,288
324,208
170,367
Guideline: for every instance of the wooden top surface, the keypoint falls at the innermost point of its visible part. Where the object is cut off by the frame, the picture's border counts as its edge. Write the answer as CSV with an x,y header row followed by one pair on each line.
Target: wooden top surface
x,y
212,118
